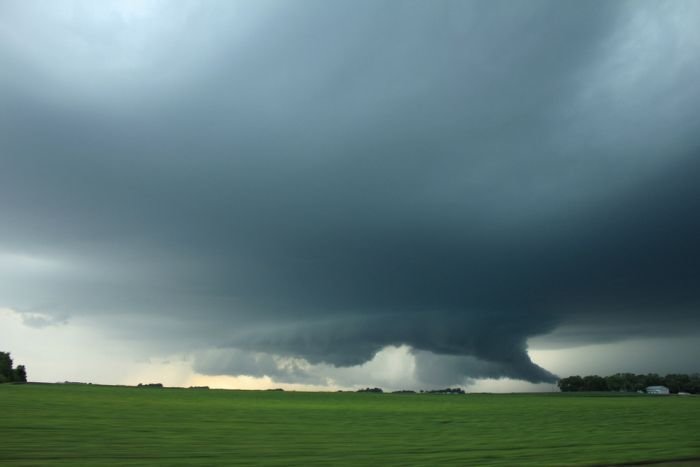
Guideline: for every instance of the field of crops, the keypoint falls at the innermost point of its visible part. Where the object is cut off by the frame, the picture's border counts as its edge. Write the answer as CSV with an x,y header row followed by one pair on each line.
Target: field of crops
x,y
101,425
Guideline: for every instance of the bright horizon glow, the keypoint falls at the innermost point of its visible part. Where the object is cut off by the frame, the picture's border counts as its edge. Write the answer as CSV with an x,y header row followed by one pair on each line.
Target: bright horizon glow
x,y
71,351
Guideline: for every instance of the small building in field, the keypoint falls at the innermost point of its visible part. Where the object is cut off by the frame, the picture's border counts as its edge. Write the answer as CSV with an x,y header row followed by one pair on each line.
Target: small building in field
x,y
657,390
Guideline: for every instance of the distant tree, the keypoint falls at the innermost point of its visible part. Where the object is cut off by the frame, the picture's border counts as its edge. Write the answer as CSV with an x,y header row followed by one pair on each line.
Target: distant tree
x,y
630,382
640,382
571,384
378,390
5,367
694,384
446,391
652,379
20,374
150,385
7,373
594,383
619,382
676,383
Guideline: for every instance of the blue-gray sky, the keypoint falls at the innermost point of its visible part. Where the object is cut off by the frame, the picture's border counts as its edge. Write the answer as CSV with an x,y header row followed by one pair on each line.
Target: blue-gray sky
x,y
283,188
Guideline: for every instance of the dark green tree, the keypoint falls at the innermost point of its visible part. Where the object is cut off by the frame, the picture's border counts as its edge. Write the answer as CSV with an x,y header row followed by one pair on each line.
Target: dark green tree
x,y
9,374
677,383
594,383
694,384
615,382
20,374
6,373
652,379
571,384
630,382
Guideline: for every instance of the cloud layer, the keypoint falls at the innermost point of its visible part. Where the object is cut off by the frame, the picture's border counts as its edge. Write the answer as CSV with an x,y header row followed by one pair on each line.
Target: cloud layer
x,y
317,181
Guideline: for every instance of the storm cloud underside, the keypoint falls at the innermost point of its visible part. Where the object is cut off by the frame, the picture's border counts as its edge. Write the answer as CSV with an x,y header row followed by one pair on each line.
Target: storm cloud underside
x,y
316,181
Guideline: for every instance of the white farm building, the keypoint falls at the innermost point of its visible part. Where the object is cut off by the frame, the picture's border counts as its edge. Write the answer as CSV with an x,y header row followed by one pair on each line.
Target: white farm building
x,y
657,390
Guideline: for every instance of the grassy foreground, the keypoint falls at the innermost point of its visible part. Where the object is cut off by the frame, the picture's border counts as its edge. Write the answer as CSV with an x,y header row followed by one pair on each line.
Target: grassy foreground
x,y
100,425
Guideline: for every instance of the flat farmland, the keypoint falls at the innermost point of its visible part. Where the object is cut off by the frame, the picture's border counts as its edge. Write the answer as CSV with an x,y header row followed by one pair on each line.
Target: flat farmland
x,y
47,424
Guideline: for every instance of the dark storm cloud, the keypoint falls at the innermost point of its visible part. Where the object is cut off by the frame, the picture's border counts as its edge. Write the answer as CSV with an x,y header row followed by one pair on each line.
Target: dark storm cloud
x,y
321,180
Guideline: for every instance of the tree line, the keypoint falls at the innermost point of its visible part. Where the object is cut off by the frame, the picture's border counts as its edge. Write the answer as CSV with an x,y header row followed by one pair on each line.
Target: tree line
x,y
8,374
630,382
406,391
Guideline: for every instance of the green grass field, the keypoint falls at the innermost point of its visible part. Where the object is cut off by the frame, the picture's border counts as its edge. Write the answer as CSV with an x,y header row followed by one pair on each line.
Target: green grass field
x,y
101,425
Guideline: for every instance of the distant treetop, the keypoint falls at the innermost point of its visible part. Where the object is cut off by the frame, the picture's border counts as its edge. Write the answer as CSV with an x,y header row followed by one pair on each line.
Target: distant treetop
x,y
8,374
630,382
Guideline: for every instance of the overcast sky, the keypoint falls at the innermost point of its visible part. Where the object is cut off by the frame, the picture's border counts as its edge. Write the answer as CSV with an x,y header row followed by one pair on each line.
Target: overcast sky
x,y
326,194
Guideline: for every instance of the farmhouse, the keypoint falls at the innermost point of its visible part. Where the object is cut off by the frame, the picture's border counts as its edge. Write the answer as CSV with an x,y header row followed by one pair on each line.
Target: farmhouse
x,y
657,390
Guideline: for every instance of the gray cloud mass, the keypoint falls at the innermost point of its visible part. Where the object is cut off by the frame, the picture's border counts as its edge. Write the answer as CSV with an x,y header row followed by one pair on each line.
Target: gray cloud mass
x,y
320,180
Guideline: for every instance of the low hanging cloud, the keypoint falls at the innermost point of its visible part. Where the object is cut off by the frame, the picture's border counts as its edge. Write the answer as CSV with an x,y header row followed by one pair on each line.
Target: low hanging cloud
x,y
314,182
